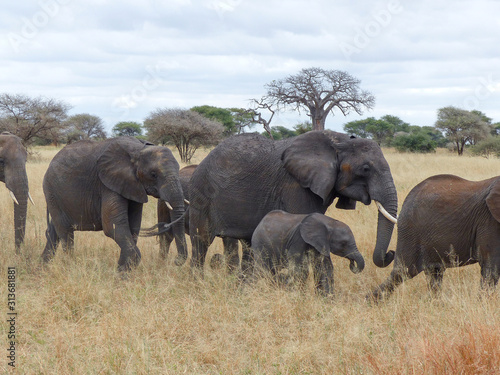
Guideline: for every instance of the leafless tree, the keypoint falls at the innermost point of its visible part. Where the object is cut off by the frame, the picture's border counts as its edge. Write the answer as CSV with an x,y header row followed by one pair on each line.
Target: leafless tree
x,y
318,91
84,126
29,118
187,130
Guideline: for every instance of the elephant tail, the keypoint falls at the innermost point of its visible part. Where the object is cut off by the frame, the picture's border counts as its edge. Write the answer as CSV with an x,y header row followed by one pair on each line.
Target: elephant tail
x,y
160,228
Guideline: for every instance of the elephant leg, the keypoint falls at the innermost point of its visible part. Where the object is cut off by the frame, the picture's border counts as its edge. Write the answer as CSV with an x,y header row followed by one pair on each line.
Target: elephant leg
x,y
135,219
490,272
298,270
200,239
68,241
434,276
52,242
323,274
115,224
396,278
231,254
247,261
167,237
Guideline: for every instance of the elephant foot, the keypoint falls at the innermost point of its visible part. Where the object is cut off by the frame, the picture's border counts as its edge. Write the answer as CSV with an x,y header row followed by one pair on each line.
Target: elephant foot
x,y
180,260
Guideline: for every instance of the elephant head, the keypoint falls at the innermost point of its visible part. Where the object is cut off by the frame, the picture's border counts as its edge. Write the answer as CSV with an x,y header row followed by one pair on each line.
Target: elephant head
x,y
13,173
335,165
135,170
327,236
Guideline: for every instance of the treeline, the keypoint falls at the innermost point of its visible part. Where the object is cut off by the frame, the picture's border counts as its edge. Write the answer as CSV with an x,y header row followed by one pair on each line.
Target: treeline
x,y
455,128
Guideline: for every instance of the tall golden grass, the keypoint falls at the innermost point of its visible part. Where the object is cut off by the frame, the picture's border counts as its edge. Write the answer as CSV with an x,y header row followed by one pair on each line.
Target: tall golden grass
x,y
78,316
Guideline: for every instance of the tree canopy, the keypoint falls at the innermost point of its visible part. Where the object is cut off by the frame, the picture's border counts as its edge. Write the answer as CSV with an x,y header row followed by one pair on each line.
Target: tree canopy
x,y
462,127
31,118
319,92
127,128
84,126
187,130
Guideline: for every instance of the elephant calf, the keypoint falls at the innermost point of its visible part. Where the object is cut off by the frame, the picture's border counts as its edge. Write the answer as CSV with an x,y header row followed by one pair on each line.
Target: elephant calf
x,y
447,221
282,239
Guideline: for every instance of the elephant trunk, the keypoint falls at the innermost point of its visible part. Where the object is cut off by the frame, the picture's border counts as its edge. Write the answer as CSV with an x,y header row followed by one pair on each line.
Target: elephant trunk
x,y
18,185
382,257
174,196
357,262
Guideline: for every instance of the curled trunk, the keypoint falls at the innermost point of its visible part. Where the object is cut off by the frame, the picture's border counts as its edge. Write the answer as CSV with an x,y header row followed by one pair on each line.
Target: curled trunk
x,y
357,263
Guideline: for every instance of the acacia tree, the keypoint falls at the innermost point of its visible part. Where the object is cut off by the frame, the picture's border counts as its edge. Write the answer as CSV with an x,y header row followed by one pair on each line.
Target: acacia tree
x,y
31,118
127,128
461,126
84,126
187,130
319,92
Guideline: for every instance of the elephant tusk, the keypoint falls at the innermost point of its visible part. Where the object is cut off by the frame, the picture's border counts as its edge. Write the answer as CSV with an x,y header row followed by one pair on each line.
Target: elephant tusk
x,y
168,205
387,215
13,197
186,201
31,199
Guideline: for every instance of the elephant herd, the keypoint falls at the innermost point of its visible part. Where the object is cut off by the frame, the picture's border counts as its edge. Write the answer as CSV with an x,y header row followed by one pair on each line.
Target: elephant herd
x,y
269,195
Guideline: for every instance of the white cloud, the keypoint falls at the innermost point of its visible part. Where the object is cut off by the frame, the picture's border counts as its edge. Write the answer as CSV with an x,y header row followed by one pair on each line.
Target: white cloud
x,y
105,57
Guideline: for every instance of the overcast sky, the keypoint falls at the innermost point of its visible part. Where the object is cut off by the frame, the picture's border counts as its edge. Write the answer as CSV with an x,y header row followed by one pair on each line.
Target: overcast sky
x,y
120,60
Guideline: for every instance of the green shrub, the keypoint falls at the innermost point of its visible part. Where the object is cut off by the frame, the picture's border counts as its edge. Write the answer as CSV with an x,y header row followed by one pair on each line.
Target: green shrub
x,y
488,147
415,142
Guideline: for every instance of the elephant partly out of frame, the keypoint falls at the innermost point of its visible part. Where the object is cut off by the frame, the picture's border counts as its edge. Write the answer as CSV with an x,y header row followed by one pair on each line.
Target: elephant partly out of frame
x,y
283,240
247,176
13,157
447,221
93,186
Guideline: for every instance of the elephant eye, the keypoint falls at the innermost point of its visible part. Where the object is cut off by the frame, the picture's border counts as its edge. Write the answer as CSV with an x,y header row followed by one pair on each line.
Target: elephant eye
x,y
366,169
153,174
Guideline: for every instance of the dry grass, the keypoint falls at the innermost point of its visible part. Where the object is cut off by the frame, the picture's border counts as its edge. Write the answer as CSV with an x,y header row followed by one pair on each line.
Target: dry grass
x,y
77,316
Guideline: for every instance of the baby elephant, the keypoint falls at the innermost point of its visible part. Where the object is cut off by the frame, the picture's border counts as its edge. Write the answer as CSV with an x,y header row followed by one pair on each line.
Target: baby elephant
x,y
282,239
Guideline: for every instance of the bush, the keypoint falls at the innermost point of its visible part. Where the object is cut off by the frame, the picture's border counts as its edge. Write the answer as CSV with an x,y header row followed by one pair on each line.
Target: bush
x,y
488,147
415,142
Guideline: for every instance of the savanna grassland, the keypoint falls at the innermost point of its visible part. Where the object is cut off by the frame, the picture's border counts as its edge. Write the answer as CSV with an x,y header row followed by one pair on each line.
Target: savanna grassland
x,y
78,316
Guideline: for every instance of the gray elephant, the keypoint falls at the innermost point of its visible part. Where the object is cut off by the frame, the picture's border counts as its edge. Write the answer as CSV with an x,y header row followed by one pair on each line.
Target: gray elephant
x,y
164,216
13,157
283,240
247,176
93,186
447,221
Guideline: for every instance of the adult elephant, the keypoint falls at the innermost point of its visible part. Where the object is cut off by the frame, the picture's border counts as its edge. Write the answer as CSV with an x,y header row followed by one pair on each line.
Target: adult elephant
x,y
248,175
447,221
93,186
13,157
164,216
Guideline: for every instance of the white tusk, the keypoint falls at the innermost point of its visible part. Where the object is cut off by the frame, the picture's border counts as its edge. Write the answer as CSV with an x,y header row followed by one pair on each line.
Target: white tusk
x,y
13,197
31,199
387,215
186,201
168,205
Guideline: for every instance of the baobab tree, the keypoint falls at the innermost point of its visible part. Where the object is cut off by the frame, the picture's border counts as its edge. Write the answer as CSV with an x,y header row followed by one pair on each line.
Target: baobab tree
x,y
319,92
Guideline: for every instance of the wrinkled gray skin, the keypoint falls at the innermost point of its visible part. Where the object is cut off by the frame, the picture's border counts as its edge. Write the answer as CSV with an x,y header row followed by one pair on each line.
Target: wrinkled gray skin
x,y
13,173
93,186
247,176
283,240
447,221
164,216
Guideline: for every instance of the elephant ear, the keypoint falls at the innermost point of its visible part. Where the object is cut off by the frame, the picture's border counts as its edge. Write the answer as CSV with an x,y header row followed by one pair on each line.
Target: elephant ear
x,y
493,200
116,170
315,233
312,160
